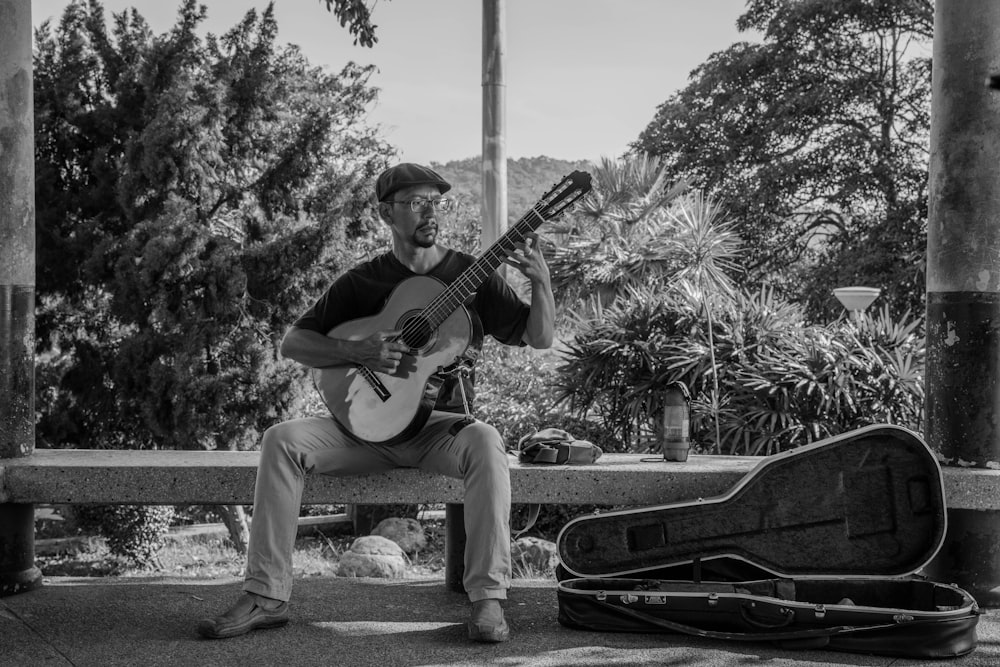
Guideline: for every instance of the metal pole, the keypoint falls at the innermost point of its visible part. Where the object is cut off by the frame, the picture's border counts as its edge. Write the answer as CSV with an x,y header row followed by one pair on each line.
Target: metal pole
x,y
17,285
494,217
494,204
963,278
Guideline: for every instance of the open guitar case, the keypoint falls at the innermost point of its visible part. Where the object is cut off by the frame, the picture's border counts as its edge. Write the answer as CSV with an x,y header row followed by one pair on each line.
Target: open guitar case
x,y
817,547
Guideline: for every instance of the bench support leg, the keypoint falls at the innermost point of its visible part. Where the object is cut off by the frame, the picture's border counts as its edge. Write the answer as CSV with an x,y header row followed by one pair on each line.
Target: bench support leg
x,y
454,546
17,549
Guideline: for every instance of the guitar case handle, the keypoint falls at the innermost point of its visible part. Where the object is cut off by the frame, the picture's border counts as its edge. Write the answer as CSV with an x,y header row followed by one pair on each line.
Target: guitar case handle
x,y
787,618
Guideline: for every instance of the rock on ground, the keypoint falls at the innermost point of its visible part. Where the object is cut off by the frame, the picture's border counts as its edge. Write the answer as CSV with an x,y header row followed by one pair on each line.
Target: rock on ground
x,y
373,556
407,533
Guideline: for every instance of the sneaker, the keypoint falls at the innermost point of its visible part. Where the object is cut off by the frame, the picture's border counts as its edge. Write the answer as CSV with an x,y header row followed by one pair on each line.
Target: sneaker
x,y
242,617
487,623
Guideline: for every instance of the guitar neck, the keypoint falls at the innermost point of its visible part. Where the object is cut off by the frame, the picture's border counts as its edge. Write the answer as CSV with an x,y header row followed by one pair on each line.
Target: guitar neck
x,y
551,205
474,276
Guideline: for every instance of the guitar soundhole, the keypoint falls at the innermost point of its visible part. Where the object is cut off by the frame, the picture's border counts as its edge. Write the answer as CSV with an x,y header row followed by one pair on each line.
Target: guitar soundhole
x,y
416,332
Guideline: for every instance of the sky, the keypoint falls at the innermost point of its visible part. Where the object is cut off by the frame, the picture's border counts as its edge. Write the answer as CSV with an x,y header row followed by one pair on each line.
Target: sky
x,y
583,77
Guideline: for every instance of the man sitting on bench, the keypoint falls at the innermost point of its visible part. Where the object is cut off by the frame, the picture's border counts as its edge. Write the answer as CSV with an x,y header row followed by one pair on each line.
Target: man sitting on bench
x,y
410,202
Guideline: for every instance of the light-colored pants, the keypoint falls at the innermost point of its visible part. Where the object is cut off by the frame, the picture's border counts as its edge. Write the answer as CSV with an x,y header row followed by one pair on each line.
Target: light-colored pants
x,y
292,449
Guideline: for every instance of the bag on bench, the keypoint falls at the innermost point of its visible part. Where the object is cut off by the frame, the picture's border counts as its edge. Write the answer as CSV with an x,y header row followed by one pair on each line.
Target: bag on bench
x,y
815,548
556,446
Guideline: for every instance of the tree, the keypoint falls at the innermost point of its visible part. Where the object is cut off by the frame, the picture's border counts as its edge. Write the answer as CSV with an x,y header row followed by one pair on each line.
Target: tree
x,y
192,196
816,141
356,15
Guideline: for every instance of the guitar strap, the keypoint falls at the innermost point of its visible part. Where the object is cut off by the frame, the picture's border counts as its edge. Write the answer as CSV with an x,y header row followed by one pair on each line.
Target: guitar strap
x,y
459,425
461,372
533,509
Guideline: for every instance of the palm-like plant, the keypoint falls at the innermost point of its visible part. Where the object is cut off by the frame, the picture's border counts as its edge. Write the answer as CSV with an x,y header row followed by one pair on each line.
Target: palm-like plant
x,y
632,242
782,382
618,236
708,249
811,382
889,371
668,311
614,365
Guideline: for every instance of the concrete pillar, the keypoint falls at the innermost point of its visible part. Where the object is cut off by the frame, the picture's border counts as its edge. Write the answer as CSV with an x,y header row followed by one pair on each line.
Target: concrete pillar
x,y
17,285
963,277
494,204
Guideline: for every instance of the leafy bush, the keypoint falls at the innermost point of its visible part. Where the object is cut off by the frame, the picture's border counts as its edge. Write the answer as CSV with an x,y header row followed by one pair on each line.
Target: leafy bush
x,y
827,380
511,389
613,368
134,532
782,383
515,393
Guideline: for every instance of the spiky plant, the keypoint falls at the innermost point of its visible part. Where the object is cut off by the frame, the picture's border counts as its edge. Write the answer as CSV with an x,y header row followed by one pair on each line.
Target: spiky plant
x,y
708,250
617,236
686,250
782,382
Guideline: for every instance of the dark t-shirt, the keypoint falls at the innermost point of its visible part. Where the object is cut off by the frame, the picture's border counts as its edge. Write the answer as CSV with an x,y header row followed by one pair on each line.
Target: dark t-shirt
x,y
494,309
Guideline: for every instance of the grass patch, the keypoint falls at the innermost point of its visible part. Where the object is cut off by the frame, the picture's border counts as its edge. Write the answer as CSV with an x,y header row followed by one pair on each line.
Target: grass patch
x,y
213,557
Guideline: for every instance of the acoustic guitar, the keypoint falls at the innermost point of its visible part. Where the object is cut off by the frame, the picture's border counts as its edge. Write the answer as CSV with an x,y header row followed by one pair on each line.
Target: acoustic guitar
x,y
432,320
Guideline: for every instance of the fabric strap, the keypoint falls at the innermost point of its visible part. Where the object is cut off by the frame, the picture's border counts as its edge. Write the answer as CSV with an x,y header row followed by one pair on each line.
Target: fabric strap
x,y
674,626
533,510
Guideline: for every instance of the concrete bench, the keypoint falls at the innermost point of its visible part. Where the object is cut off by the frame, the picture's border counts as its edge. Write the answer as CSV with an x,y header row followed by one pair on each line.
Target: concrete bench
x,y
210,478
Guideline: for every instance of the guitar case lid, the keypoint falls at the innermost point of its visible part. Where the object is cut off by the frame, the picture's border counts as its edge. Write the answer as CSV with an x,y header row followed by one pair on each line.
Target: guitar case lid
x,y
865,503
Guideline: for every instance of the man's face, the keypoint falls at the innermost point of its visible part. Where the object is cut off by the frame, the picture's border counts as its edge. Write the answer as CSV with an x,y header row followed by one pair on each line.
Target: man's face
x,y
418,228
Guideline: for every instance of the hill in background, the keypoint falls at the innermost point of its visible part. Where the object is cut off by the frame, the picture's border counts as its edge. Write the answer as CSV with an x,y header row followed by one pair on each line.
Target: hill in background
x,y
527,179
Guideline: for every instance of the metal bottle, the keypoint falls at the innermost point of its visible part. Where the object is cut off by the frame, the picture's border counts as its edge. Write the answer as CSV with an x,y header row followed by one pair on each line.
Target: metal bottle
x,y
676,422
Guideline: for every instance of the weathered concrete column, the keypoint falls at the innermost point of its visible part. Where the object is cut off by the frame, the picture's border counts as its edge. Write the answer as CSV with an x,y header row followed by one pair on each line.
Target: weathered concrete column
x,y
494,204
17,285
963,277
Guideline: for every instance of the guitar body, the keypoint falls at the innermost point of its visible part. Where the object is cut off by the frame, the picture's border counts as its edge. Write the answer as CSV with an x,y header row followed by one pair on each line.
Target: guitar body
x,y
396,406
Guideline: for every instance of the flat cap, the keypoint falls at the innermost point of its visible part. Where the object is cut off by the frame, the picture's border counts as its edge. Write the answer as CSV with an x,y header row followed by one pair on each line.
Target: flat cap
x,y
405,175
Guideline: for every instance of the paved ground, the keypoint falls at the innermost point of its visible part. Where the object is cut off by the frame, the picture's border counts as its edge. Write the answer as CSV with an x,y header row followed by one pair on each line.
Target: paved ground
x,y
150,622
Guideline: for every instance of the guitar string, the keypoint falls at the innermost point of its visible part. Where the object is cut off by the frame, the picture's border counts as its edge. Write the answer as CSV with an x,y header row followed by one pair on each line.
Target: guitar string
x,y
475,274
480,270
445,302
415,324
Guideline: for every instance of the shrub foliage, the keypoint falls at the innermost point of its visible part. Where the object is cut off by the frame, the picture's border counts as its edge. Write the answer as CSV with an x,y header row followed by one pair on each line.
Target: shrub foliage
x,y
134,532
782,382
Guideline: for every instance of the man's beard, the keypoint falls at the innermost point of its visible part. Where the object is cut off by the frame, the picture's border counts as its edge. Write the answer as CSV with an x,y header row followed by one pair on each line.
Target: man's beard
x,y
425,240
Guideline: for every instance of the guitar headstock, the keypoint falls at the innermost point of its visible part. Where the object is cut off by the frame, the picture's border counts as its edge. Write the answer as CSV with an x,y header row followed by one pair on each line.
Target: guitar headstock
x,y
563,194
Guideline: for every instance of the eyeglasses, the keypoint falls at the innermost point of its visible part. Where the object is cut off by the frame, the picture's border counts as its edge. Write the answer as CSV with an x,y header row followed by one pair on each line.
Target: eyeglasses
x,y
417,205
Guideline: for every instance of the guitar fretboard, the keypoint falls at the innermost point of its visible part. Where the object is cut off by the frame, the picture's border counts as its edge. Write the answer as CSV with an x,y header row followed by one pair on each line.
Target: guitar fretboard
x,y
469,281
555,202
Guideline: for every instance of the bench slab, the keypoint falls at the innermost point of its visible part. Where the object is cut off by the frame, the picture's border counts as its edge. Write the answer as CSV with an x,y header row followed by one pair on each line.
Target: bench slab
x,y
168,477
70,476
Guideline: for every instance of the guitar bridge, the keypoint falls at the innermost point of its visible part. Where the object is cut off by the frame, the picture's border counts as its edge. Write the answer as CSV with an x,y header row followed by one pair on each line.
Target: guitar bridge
x,y
375,383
